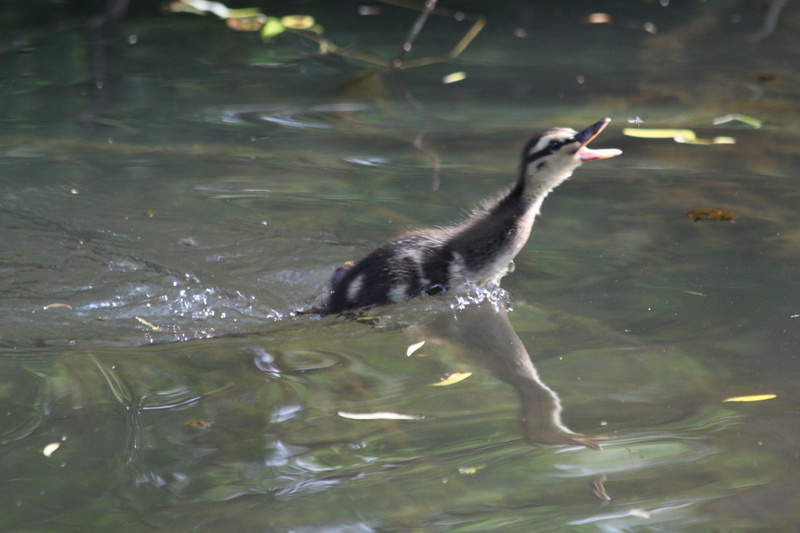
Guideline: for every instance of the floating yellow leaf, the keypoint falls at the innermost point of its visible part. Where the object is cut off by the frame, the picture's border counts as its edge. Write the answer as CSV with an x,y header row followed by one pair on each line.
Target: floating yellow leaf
x,y
454,77
469,470
148,324
194,423
53,306
657,133
272,27
754,398
723,140
414,347
298,22
379,415
51,448
707,213
455,377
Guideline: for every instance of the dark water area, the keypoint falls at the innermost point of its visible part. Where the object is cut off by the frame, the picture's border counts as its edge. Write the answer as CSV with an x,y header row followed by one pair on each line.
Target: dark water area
x,y
173,190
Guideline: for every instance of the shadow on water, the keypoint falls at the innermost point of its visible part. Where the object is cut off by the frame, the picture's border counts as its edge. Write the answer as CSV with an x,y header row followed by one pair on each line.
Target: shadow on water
x,y
482,332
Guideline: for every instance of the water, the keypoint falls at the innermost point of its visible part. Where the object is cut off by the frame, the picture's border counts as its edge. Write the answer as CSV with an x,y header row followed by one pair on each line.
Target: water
x,y
158,233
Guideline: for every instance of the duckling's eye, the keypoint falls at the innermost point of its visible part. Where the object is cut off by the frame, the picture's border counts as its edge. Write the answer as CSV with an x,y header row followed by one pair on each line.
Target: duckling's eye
x,y
554,145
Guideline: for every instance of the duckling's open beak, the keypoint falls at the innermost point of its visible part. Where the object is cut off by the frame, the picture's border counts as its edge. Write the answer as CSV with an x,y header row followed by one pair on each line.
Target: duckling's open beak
x,y
585,137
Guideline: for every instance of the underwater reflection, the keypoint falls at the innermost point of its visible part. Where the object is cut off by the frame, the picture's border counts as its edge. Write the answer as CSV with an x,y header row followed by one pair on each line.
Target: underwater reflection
x,y
481,331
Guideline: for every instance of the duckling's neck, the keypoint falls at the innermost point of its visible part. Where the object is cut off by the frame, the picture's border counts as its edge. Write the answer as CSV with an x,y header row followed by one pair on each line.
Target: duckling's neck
x,y
532,195
488,242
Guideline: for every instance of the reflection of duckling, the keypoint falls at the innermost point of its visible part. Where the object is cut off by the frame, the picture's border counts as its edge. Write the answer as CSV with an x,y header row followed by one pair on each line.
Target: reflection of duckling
x,y
478,250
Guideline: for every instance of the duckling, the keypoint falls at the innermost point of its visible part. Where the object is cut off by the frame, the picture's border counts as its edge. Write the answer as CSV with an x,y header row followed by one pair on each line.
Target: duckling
x,y
478,250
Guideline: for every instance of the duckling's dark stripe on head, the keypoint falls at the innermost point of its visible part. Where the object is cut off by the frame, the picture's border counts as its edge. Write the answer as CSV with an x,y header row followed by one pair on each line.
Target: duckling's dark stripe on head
x,y
530,145
553,146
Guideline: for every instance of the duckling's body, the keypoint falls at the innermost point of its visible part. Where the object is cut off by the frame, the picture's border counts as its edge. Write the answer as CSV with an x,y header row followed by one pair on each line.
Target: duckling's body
x,y
478,250
432,261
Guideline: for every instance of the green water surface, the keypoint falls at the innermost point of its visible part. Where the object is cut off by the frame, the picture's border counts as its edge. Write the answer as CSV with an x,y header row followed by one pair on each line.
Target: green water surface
x,y
181,188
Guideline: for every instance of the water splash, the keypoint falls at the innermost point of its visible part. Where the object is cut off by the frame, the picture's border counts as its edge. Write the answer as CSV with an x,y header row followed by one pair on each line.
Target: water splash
x,y
471,294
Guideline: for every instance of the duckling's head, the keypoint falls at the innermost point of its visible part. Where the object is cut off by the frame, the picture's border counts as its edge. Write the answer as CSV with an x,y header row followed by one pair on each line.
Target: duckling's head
x,y
550,157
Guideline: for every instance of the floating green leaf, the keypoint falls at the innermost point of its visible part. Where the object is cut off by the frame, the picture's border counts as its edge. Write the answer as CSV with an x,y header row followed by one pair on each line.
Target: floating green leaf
x,y
750,121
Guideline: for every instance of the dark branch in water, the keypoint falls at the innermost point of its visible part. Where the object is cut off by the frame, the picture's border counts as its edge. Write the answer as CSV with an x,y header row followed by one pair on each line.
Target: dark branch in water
x,y
418,144
415,29
479,21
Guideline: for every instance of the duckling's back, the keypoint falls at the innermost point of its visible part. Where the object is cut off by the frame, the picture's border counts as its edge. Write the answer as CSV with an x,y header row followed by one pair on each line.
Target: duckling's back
x,y
412,265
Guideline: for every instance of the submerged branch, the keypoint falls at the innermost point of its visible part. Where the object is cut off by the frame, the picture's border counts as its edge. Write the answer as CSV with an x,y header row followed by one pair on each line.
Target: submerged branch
x,y
415,29
770,21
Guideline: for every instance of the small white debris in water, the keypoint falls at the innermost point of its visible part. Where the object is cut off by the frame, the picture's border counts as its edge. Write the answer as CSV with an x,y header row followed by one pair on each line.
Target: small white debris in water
x,y
146,323
413,348
454,77
380,415
50,448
